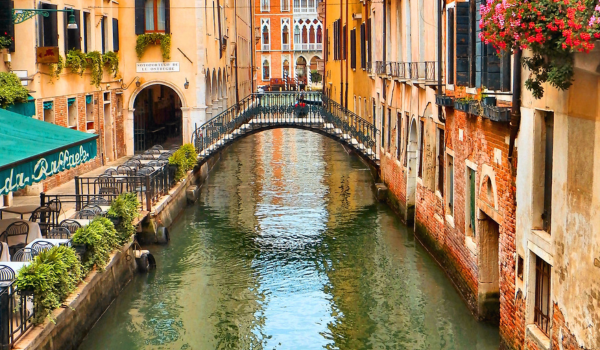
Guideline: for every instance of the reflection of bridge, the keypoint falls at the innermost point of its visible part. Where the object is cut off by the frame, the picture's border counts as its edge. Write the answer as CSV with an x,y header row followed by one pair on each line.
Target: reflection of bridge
x,y
303,110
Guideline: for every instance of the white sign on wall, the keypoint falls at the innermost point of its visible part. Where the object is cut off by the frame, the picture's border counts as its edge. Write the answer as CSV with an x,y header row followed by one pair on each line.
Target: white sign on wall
x,y
155,67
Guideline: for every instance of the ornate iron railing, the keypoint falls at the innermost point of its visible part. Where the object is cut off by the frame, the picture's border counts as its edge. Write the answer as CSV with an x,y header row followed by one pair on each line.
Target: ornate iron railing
x,y
310,110
17,312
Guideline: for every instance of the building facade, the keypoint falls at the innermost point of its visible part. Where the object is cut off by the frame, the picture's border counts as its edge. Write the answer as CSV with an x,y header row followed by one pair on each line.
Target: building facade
x,y
137,72
289,43
461,142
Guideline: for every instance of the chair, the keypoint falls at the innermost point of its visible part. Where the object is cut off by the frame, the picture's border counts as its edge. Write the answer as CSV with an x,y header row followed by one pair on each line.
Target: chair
x,y
148,156
98,201
111,172
23,255
152,151
85,214
158,147
145,171
136,162
19,228
70,225
154,163
42,216
7,274
40,246
94,208
58,233
136,157
174,148
124,170
164,156
109,190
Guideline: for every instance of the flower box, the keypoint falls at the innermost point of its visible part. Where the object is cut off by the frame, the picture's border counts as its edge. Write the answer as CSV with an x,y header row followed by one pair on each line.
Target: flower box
x,y
461,105
445,101
475,108
497,114
488,101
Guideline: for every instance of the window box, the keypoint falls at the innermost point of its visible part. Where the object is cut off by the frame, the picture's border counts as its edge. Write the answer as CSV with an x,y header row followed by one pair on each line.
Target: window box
x,y
443,100
488,101
475,108
461,105
497,114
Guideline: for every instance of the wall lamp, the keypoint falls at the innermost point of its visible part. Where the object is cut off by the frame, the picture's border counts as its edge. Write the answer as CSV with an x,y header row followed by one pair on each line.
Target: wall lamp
x,y
186,85
21,15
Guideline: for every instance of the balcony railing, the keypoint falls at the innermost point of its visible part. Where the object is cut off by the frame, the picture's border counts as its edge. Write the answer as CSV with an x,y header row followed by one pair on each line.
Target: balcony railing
x,y
420,72
285,47
308,46
431,72
369,67
266,47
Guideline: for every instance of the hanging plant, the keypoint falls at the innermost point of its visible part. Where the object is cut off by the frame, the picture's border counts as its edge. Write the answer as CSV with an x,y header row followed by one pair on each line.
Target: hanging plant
x,y
11,90
5,41
112,60
145,40
76,61
95,64
552,29
57,68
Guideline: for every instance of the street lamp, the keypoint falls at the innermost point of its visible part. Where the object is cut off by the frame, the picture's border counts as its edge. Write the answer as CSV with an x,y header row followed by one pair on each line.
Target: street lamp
x,y
72,23
21,15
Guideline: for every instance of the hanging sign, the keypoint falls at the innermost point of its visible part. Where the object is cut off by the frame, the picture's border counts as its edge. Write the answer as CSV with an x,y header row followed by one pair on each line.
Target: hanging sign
x,y
48,54
157,67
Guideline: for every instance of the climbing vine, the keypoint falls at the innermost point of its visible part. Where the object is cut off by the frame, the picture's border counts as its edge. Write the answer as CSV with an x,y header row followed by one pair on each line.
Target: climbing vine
x,y
112,60
57,68
95,64
11,90
76,62
145,40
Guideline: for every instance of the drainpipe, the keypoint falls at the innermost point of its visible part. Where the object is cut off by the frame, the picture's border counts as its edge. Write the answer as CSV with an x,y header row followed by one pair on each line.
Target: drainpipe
x,y
439,58
252,39
325,52
237,89
515,115
341,54
347,52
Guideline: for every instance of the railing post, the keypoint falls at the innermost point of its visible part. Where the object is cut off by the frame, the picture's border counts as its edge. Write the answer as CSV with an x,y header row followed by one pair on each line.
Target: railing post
x,y
77,197
42,199
4,318
148,194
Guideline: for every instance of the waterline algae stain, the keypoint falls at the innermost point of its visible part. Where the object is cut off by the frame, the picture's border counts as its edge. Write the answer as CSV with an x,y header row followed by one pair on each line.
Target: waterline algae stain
x,y
287,248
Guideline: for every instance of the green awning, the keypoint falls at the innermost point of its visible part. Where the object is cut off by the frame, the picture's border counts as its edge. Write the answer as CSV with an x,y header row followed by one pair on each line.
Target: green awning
x,y
25,108
32,150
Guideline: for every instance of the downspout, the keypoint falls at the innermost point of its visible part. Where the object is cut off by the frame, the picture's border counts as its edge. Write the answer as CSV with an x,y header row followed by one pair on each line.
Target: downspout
x,y
325,52
439,54
237,84
220,24
341,53
384,86
252,39
515,114
346,52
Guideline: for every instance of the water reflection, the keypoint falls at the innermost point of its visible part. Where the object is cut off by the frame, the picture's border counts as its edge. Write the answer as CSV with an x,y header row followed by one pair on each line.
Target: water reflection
x,y
288,249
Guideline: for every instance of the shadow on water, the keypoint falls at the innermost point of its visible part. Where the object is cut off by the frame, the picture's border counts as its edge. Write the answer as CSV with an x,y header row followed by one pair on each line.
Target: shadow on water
x,y
288,249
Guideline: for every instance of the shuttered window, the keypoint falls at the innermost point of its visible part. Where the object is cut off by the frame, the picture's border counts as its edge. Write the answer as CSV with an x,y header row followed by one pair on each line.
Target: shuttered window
x,y
152,16
368,40
353,49
344,45
450,79
48,28
421,143
115,25
103,32
72,36
363,56
462,44
6,23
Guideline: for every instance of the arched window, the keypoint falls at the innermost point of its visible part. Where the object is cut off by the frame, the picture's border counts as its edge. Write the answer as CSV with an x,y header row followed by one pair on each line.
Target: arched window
x,y
297,35
311,35
266,71
285,35
319,35
155,15
265,36
304,35
286,69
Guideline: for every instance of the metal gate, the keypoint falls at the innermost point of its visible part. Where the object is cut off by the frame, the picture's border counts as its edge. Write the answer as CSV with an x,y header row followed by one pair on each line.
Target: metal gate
x,y
141,111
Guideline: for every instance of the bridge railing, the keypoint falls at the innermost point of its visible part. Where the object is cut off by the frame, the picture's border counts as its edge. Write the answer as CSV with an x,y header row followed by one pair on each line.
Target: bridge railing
x,y
307,109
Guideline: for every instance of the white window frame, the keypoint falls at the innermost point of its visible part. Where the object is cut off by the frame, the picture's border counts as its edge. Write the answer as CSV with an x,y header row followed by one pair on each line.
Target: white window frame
x,y
265,5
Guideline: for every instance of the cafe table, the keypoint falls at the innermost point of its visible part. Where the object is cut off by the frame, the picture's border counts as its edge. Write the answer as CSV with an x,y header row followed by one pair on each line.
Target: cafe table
x,y
34,231
19,210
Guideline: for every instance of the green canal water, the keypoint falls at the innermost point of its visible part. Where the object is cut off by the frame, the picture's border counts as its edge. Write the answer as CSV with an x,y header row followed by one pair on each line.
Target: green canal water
x,y
287,248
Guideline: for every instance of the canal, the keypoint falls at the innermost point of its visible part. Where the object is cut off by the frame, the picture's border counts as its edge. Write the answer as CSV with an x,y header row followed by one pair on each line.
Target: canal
x,y
287,248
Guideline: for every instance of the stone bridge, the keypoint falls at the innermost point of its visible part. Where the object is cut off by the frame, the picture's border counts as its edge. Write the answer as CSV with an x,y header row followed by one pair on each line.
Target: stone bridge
x,y
302,110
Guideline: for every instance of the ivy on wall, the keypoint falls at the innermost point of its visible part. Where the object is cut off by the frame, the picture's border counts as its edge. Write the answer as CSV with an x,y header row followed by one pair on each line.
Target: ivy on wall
x,y
145,40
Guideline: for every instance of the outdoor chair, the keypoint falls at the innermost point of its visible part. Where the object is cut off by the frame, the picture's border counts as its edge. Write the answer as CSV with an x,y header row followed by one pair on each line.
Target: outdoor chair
x,y
23,255
94,208
152,151
145,171
58,233
104,180
98,201
148,156
158,147
109,190
7,274
70,225
40,246
16,229
124,170
164,156
111,172
174,148
137,162
136,157
85,214
154,163
42,216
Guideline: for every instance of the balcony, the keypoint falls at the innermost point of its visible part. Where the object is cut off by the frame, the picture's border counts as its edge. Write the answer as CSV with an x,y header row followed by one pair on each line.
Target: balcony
x,y
395,70
265,47
308,47
285,47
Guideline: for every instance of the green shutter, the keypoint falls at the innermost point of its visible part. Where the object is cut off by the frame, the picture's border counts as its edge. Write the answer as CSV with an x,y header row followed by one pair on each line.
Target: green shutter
x,y
462,43
472,199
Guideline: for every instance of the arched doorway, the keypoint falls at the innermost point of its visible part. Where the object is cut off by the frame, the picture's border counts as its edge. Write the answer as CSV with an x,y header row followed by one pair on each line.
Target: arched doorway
x,y
411,186
315,75
301,70
157,118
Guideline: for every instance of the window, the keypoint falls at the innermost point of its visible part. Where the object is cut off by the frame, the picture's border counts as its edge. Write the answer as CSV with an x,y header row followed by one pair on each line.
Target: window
x,y
89,112
450,48
363,44
87,32
471,228
265,5
389,130
542,295
398,135
369,42
115,25
285,5
48,26
265,39
319,35
344,43
154,16
450,187
421,141
103,31
48,111
406,121
463,19
297,35
285,38
72,36
440,160
266,71
520,268
72,113
548,150
353,49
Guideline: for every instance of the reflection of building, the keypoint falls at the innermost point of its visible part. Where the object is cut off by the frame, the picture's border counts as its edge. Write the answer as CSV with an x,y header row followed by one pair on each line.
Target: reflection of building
x,y
289,42
154,98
